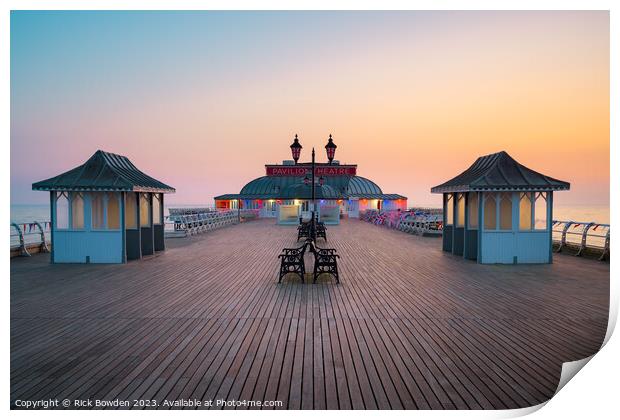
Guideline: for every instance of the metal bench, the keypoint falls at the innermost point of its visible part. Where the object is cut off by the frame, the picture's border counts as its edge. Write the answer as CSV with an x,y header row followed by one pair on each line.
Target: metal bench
x,y
303,230
321,232
325,261
292,261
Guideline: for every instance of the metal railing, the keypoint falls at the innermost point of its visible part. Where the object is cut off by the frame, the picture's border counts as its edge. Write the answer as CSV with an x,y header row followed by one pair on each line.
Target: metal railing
x,y
28,236
589,236
423,222
182,224
190,210
592,238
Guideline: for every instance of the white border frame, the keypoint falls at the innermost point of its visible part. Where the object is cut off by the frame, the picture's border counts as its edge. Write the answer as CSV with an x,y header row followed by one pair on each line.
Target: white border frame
x,y
592,395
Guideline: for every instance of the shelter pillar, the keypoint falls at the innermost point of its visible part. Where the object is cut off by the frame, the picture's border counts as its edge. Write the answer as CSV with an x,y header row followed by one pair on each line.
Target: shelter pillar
x,y
122,226
52,222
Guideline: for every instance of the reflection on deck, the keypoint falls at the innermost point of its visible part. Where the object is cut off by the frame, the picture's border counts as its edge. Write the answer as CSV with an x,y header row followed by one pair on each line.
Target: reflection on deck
x,y
408,327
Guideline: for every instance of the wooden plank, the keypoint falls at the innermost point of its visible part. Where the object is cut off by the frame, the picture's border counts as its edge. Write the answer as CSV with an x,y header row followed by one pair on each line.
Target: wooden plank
x,y
408,327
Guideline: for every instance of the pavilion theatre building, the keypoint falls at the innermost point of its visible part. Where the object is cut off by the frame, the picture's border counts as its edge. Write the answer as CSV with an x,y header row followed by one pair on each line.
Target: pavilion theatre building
x,y
285,191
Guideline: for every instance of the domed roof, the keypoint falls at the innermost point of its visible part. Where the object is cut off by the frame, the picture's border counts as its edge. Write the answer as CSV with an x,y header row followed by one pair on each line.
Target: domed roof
x,y
359,186
303,191
291,187
262,185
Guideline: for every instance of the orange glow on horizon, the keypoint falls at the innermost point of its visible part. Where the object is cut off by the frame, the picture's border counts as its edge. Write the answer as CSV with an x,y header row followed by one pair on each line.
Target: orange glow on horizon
x,y
412,105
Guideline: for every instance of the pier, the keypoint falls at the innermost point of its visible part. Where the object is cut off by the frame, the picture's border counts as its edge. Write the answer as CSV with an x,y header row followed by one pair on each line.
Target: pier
x,y
409,326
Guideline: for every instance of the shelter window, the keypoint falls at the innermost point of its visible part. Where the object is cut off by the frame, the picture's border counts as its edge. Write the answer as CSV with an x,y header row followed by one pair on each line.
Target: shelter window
x,y
157,213
145,213
77,211
131,211
114,214
490,211
525,211
97,209
473,210
449,210
62,210
505,211
460,210
540,211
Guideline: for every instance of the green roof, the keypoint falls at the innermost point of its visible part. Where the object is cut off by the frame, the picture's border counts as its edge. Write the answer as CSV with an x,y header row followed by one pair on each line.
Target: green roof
x,y
103,172
500,172
288,187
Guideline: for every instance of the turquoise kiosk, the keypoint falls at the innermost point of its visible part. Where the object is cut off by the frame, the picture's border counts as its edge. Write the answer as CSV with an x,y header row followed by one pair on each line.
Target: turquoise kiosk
x,y
105,211
499,212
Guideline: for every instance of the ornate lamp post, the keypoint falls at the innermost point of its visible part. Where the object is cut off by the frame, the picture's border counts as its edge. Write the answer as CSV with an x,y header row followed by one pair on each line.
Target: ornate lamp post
x,y
312,225
330,147
296,149
309,180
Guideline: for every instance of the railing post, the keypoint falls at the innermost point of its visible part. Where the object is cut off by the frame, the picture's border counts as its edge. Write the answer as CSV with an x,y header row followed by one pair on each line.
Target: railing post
x,y
563,240
22,244
584,237
44,247
606,248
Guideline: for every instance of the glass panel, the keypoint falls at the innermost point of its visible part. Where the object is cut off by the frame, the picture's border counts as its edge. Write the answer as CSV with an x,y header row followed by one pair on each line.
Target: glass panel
x,y
449,210
460,210
114,214
77,211
525,211
540,211
96,210
145,214
131,211
473,210
505,211
490,211
157,209
62,211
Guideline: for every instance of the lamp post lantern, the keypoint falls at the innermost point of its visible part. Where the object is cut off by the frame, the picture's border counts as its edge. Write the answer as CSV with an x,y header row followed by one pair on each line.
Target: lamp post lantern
x,y
296,149
330,147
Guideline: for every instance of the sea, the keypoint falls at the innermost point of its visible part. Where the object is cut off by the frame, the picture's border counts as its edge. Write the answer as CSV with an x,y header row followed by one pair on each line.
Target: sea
x,y
27,213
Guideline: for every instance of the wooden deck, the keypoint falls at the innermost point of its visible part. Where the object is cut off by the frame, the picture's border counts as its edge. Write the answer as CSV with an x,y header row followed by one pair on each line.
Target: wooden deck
x,y
408,327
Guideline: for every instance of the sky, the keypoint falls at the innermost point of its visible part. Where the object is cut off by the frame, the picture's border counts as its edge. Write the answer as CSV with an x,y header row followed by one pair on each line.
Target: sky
x,y
203,100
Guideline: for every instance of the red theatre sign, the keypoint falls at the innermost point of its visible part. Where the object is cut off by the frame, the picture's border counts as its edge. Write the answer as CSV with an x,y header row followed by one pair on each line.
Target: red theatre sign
x,y
319,170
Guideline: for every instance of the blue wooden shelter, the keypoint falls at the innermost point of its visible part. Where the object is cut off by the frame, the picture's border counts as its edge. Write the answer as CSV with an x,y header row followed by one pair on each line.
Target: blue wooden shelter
x,y
105,211
499,212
